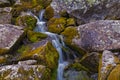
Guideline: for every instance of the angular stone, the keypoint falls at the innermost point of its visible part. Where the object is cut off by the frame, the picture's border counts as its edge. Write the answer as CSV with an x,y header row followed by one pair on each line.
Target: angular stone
x,y
10,35
24,72
5,15
89,10
107,63
98,36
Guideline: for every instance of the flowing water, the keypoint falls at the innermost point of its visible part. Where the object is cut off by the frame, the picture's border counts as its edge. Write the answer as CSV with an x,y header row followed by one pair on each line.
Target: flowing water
x,y
57,42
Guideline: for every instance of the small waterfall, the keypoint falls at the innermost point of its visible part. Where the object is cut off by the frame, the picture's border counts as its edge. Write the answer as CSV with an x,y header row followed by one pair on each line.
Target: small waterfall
x,y
41,25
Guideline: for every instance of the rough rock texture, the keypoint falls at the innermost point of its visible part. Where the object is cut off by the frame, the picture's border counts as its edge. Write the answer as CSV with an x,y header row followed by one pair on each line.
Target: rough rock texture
x,y
91,61
24,72
4,3
98,36
9,36
89,10
76,75
42,51
107,63
5,15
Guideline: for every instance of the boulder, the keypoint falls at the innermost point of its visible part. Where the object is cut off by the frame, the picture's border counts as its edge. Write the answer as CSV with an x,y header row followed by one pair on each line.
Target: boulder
x,y
42,51
5,15
10,36
4,3
76,75
98,36
91,61
89,10
24,72
108,66
56,25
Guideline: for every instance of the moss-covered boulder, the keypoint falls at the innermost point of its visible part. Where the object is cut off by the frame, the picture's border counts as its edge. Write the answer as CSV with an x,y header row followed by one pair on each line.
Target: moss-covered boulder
x,y
91,61
27,22
71,22
115,73
76,75
49,12
107,64
24,72
42,51
56,25
69,34
35,36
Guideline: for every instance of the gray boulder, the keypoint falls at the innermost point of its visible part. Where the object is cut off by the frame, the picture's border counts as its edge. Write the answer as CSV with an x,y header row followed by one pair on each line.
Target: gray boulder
x,y
89,10
10,36
98,36
24,72
5,15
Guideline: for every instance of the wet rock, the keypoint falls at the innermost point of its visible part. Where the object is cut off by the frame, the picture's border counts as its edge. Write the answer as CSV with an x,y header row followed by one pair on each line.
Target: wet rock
x,y
24,72
107,64
5,15
10,36
98,36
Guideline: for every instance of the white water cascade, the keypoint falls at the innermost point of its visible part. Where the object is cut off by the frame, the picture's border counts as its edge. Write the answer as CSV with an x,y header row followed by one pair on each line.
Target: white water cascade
x,y
41,27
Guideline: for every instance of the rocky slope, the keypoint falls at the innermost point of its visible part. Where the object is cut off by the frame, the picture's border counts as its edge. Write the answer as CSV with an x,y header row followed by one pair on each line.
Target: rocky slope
x,y
90,30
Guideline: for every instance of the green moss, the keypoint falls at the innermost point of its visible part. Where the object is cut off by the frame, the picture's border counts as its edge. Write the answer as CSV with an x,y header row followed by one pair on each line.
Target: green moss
x,y
69,34
56,28
3,51
2,59
64,13
49,12
23,49
115,74
27,21
45,54
54,74
35,36
56,25
71,22
78,67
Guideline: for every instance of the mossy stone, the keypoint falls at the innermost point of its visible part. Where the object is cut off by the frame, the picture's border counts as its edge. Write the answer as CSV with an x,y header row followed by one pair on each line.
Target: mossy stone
x,y
115,73
56,25
46,54
35,36
49,12
27,21
71,22
69,34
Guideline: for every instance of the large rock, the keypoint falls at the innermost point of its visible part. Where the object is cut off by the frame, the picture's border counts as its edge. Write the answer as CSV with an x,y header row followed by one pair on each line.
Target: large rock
x,y
10,35
42,51
5,15
24,71
89,10
4,3
98,36
107,64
